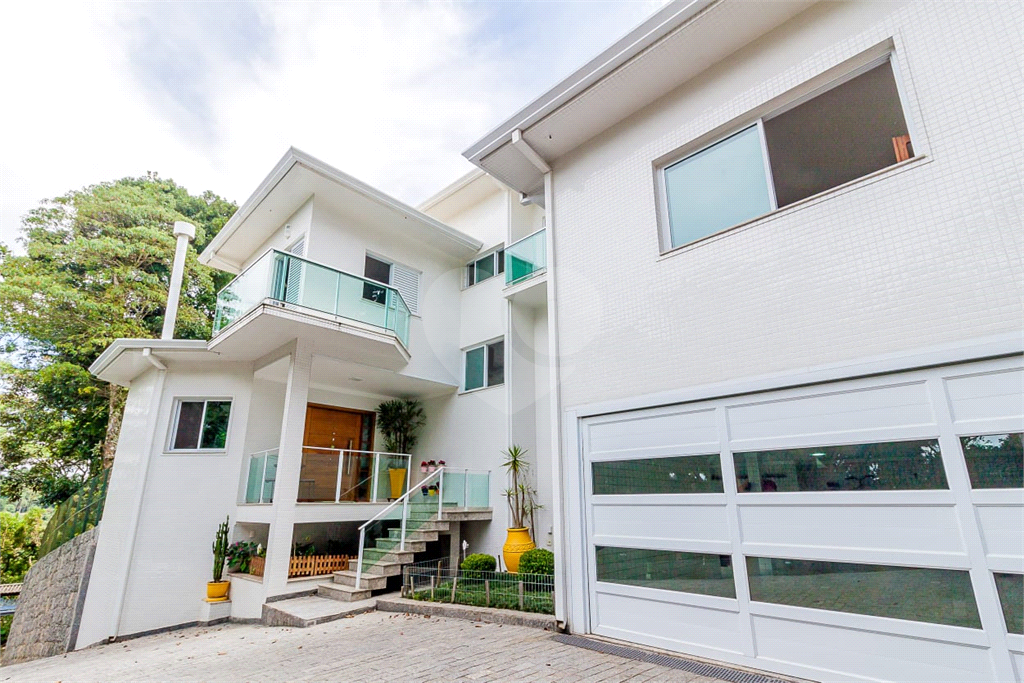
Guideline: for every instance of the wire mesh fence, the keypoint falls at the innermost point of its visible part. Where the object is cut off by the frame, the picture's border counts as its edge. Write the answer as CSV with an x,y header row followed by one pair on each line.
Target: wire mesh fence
x,y
436,581
79,513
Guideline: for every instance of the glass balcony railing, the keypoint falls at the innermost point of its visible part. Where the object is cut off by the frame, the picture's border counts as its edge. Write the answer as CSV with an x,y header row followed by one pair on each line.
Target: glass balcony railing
x,y
526,258
293,280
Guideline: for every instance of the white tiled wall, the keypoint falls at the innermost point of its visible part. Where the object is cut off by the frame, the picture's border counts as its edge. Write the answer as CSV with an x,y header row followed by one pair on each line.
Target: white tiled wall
x,y
919,256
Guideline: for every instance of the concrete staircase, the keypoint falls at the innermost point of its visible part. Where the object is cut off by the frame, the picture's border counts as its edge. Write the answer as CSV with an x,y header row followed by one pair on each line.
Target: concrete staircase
x,y
385,559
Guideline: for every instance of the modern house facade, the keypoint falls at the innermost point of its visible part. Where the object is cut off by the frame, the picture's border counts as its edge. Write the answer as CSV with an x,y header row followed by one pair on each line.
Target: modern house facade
x,y
760,326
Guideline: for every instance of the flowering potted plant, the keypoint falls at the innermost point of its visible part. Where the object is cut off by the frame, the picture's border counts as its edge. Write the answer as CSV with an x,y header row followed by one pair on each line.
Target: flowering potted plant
x,y
441,463
431,465
241,555
423,467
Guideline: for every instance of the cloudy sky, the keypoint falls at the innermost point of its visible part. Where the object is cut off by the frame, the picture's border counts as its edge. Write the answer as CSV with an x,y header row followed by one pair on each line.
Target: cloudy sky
x,y
211,94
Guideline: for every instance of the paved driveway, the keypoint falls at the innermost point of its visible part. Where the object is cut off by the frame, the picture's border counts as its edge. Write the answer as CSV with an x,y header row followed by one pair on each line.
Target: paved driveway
x,y
376,646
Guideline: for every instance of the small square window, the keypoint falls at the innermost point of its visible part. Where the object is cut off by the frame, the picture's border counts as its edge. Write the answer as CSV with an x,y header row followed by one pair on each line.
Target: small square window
x,y
485,366
379,271
201,426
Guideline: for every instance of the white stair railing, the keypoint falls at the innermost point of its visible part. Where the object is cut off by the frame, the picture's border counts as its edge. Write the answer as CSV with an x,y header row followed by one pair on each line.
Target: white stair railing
x,y
437,474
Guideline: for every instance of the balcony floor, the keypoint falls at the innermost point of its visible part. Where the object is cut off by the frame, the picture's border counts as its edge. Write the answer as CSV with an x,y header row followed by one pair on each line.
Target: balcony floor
x,y
272,324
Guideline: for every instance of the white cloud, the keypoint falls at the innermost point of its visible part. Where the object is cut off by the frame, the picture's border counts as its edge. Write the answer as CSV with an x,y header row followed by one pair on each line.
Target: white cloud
x,y
212,94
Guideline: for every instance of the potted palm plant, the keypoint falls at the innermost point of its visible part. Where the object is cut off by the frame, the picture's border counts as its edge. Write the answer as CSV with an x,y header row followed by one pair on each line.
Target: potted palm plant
x,y
400,421
521,506
217,590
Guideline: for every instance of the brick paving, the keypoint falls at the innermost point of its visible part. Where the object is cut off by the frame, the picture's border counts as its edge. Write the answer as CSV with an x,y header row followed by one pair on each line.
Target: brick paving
x,y
376,646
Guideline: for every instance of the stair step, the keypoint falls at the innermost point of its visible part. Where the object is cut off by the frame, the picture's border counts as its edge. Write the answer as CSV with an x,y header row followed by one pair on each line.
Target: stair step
x,y
425,516
380,555
310,610
414,534
336,591
394,544
374,568
429,525
374,582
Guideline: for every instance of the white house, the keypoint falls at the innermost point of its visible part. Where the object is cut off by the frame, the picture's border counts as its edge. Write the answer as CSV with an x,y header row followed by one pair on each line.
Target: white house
x,y
748,285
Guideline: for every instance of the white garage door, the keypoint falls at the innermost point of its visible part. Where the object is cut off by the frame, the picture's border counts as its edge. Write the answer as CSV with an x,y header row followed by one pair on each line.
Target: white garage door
x,y
870,529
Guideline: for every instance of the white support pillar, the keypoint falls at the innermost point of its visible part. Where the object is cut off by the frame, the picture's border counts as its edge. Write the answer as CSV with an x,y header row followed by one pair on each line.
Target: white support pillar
x,y
289,464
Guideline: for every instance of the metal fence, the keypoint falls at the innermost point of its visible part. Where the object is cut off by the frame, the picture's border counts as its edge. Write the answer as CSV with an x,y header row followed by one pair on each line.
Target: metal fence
x,y
435,581
79,513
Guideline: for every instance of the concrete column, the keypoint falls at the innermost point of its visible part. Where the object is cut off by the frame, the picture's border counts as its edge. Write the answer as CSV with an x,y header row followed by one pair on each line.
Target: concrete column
x,y
289,464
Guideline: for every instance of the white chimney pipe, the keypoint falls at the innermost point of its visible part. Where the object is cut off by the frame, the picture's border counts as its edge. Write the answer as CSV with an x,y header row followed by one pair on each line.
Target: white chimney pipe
x,y
185,232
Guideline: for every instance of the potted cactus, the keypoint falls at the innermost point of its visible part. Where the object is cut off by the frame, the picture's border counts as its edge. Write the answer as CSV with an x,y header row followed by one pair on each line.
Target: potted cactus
x,y
217,590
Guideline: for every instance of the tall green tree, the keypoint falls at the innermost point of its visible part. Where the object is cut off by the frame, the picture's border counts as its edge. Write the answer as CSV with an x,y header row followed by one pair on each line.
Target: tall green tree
x,y
96,268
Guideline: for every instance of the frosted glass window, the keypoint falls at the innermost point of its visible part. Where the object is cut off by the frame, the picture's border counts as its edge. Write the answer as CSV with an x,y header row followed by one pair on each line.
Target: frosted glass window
x,y
718,187
475,368
889,466
677,474
937,596
700,573
995,461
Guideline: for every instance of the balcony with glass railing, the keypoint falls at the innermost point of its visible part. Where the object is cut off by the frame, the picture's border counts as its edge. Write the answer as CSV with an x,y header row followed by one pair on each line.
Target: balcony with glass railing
x,y
526,258
331,475
289,279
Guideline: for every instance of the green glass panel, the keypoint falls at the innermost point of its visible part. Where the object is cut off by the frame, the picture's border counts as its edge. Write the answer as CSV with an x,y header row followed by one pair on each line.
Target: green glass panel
x,y
718,187
700,573
254,483
215,424
890,466
485,268
269,478
677,474
526,257
475,368
937,596
1011,597
994,462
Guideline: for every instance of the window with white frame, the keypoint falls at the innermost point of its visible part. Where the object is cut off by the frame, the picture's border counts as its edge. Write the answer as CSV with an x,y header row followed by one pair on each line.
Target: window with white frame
x,y
843,131
405,280
485,267
485,365
200,425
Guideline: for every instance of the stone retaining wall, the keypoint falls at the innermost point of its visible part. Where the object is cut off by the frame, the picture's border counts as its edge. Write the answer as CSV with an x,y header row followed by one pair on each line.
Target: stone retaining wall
x,y
50,606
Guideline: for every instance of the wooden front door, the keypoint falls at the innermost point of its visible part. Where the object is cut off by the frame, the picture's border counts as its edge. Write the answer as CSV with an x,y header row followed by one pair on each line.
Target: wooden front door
x,y
333,429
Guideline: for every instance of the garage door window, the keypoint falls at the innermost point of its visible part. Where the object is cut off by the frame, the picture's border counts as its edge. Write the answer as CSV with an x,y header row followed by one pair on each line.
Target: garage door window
x,y
678,474
995,461
892,466
667,570
1011,596
937,596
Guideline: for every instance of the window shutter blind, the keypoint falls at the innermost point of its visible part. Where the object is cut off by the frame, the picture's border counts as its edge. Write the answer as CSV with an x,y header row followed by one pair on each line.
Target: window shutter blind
x,y
299,248
407,282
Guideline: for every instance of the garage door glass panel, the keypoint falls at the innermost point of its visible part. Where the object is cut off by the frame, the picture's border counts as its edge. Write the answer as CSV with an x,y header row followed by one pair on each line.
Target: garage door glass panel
x,y
667,570
893,466
678,474
937,596
1011,597
995,461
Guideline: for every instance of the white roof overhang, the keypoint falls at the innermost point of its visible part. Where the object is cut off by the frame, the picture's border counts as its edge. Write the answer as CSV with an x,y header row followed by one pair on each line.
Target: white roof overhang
x,y
296,178
674,45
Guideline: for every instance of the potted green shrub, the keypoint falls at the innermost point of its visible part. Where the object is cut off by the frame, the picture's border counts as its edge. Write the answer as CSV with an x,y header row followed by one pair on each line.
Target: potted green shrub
x,y
217,590
400,421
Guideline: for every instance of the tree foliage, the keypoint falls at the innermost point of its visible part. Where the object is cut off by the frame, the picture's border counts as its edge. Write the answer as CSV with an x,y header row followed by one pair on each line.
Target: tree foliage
x,y
20,535
96,268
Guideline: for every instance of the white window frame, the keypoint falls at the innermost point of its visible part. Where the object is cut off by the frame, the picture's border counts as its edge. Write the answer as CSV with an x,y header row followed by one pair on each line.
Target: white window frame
x,y
493,252
798,95
172,431
486,384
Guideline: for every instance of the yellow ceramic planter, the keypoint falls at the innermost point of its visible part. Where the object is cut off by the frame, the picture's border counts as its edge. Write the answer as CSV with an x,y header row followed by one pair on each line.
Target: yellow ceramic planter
x,y
517,542
217,591
397,482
